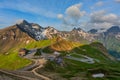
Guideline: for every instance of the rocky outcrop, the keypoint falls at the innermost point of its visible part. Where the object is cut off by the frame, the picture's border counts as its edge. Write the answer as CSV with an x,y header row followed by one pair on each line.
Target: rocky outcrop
x,y
33,30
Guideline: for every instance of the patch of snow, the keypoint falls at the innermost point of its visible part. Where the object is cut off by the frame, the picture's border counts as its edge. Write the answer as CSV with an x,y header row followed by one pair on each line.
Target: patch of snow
x,y
100,75
36,27
101,30
44,33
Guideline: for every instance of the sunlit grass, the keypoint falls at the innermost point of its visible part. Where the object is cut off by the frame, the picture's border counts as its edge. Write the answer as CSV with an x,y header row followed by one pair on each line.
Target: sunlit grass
x,y
12,61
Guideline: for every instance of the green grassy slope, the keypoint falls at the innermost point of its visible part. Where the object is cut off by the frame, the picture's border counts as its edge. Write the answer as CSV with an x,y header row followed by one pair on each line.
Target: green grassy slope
x,y
11,61
77,69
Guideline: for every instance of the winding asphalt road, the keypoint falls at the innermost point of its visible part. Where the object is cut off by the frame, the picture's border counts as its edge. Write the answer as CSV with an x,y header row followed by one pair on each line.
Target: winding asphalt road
x,y
85,59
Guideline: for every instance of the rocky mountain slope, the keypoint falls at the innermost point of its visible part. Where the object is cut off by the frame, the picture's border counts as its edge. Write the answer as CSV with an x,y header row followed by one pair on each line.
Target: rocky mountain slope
x,y
24,31
11,37
19,32
33,30
39,33
111,40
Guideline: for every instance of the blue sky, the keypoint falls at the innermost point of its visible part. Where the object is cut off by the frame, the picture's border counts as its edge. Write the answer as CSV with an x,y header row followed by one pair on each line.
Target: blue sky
x,y
61,14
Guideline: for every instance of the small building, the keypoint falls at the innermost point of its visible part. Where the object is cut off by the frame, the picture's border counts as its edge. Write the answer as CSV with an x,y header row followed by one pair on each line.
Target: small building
x,y
59,60
22,52
56,53
100,75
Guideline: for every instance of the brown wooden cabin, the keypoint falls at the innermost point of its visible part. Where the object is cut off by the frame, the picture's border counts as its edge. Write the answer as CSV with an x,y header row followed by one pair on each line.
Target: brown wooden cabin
x,y
22,52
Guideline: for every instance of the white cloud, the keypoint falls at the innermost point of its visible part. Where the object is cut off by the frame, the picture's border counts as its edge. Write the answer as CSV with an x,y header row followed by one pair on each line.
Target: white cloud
x,y
101,19
99,25
74,12
72,15
102,16
60,16
118,1
100,3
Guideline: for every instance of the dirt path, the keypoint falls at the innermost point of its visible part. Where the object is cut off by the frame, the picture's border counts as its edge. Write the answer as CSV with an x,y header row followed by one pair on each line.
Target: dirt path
x,y
17,76
41,62
38,63
37,74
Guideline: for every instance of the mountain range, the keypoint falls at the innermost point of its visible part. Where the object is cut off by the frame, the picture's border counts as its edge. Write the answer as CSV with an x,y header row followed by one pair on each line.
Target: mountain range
x,y
25,31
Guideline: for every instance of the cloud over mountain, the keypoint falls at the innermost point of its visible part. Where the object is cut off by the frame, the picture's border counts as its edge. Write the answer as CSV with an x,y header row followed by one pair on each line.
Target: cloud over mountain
x,y
74,12
100,19
72,15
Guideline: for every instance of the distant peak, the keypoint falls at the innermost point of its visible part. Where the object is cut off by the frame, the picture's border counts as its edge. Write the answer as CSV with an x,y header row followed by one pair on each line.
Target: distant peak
x,y
77,28
114,29
21,21
93,31
49,27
